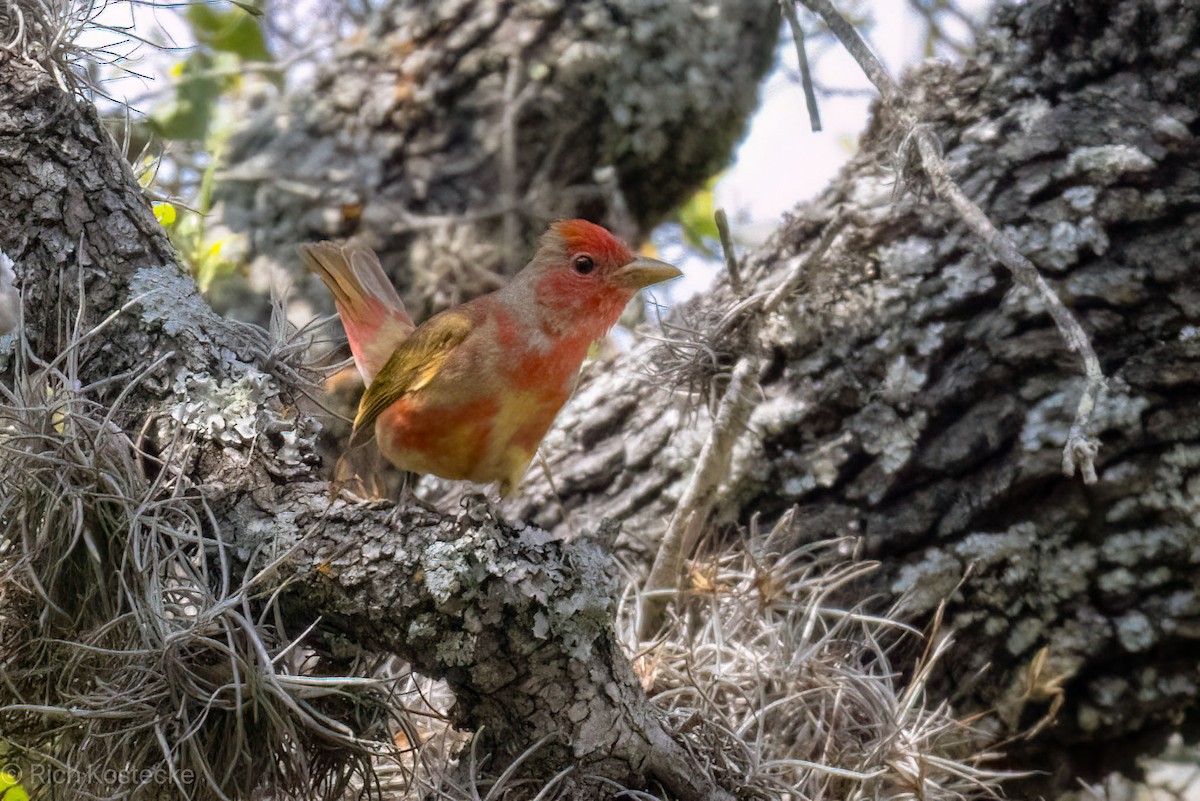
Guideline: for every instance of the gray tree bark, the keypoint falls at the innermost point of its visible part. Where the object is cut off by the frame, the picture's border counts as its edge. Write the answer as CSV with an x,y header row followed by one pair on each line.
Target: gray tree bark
x,y
448,135
519,624
911,395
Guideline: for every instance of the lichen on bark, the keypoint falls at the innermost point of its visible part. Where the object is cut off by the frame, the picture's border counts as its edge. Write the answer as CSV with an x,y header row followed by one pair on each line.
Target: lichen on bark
x,y
912,395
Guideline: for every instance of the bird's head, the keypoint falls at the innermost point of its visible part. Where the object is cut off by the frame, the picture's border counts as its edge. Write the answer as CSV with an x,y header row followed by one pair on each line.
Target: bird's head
x,y
584,276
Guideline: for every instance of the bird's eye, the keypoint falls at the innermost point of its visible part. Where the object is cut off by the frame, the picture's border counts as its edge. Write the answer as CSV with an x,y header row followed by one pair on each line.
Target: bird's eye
x,y
584,264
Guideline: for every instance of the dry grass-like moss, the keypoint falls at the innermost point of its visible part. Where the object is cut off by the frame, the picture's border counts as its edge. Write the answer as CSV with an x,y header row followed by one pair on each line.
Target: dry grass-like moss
x,y
132,648
786,695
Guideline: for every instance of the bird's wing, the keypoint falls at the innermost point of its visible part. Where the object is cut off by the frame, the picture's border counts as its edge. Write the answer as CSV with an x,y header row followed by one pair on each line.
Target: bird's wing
x,y
411,366
372,313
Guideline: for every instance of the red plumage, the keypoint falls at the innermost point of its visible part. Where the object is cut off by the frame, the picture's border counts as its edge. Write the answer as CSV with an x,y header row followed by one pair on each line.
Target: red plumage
x,y
470,393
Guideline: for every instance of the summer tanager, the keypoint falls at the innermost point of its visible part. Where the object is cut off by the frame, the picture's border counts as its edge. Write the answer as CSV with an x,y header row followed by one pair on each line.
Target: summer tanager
x,y
469,393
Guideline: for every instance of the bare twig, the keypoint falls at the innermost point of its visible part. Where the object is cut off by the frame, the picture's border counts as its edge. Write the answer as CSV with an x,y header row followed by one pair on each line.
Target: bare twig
x,y
789,285
711,467
732,415
1080,449
731,262
806,81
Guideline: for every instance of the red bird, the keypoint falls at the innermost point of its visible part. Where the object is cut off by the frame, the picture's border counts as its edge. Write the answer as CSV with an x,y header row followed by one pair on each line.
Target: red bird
x,y
470,393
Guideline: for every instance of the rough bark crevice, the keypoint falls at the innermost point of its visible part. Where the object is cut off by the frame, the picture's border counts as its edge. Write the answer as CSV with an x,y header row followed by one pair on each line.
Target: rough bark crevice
x,y
913,396
519,623
448,135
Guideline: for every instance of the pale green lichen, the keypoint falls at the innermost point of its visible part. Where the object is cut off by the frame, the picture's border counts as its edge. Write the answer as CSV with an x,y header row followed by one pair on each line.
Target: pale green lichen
x,y
168,298
1023,635
224,411
447,567
1048,421
1141,547
457,649
923,585
1081,198
903,380
1117,582
10,298
825,463
889,437
914,255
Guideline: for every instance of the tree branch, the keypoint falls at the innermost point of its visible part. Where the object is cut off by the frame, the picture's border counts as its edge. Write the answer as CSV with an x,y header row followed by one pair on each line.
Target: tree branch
x,y
1081,447
518,623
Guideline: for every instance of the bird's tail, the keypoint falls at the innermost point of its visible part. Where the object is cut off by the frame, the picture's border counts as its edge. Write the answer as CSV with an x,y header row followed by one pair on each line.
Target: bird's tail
x,y
372,313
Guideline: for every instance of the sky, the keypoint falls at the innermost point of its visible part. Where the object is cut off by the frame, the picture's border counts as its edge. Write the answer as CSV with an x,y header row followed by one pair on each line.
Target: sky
x,y
782,161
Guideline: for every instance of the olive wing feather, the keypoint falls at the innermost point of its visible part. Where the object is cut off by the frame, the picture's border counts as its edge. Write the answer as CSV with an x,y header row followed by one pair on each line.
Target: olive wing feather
x,y
413,365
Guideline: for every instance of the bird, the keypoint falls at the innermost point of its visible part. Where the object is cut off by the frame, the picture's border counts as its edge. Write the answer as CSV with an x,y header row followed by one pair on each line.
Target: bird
x,y
469,394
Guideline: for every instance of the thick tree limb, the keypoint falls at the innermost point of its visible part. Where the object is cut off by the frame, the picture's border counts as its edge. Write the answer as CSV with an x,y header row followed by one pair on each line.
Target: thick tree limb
x,y
517,622
1080,448
919,397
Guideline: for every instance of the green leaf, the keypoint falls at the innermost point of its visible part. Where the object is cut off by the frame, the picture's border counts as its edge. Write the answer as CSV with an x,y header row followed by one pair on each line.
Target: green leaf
x,y
209,265
235,30
249,8
10,786
164,213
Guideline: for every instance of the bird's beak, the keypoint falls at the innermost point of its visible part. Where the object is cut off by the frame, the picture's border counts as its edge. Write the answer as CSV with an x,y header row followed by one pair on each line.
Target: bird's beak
x,y
645,271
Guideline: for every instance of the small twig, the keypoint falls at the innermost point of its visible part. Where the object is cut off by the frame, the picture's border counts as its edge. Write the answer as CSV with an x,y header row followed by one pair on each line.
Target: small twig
x,y
828,234
732,416
1080,450
711,467
806,81
731,262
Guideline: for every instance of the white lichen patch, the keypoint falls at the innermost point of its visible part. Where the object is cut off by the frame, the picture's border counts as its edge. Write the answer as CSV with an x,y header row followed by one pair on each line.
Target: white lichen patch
x,y
911,256
1067,239
903,380
1048,421
1013,547
10,298
448,566
889,437
1140,547
1081,198
1134,632
242,410
827,460
1024,635
777,415
1104,164
223,411
967,278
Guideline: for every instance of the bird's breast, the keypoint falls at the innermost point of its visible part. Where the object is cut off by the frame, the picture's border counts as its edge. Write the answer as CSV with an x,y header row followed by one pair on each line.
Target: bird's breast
x,y
483,416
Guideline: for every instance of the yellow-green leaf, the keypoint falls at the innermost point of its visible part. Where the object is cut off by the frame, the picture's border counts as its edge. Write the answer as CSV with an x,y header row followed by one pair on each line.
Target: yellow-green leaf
x,y
10,787
164,213
696,217
234,30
